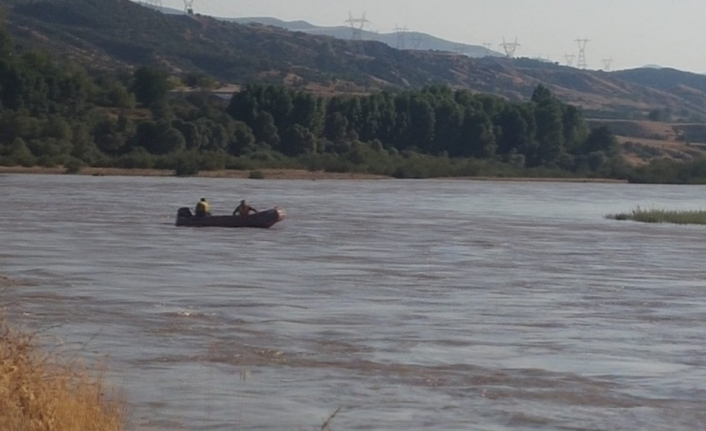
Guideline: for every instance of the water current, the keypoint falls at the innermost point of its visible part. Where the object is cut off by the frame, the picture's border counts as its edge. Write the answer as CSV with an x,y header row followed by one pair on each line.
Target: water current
x,y
410,305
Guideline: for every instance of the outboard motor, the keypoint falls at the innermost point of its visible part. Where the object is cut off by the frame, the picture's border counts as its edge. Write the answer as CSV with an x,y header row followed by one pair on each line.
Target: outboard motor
x,y
184,212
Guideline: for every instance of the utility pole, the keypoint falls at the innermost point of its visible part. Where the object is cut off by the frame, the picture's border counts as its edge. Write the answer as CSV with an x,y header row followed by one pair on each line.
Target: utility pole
x,y
189,7
582,64
607,62
357,25
569,59
510,47
401,32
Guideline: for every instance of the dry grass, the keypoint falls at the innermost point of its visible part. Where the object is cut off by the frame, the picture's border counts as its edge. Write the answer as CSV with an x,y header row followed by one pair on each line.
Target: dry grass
x,y
39,392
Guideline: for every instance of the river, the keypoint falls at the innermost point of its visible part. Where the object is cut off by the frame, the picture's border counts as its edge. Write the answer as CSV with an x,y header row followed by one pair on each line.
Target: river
x,y
410,305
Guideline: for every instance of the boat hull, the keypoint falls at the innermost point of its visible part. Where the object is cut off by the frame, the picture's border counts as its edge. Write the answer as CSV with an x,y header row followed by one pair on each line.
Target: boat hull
x,y
263,220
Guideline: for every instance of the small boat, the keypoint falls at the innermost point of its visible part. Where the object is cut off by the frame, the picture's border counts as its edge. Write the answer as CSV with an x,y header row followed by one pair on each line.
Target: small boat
x,y
263,219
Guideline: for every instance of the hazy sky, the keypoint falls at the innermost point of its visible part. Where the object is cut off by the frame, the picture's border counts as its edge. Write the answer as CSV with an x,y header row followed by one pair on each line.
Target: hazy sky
x,y
633,33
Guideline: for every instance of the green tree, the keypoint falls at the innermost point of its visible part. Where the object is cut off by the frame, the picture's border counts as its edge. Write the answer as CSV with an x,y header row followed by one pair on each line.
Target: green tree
x,y
514,130
477,136
297,140
199,80
550,127
574,128
265,130
159,138
600,139
422,122
448,121
335,129
150,85
19,154
242,138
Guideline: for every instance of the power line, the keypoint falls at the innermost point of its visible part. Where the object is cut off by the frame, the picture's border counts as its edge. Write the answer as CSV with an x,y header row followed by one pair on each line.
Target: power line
x,y
569,59
189,7
401,33
582,64
357,26
607,62
510,47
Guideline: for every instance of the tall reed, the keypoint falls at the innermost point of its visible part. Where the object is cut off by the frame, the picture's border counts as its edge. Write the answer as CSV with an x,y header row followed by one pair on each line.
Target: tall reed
x,y
42,392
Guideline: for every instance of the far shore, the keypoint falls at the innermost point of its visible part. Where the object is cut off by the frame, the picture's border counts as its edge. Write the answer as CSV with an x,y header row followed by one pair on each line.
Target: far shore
x,y
277,174
270,174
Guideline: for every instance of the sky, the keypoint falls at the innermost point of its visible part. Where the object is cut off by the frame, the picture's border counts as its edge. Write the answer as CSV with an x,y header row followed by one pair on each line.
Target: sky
x,y
633,33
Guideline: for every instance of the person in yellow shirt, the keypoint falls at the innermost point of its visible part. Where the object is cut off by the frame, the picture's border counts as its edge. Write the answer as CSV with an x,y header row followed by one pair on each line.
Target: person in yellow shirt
x,y
202,208
244,209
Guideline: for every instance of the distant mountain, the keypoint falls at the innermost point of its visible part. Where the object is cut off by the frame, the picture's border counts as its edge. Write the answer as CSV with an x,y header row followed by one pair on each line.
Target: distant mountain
x,y
412,40
409,40
121,34
289,25
167,10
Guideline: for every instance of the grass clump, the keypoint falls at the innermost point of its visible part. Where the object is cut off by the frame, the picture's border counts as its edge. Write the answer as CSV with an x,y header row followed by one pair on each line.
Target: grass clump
x,y
40,393
662,216
256,174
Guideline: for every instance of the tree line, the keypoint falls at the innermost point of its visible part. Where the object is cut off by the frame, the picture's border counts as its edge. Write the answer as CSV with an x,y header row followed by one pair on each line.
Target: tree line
x,y
435,120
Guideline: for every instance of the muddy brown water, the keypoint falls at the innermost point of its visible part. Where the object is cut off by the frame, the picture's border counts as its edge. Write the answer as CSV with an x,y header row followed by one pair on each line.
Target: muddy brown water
x,y
412,305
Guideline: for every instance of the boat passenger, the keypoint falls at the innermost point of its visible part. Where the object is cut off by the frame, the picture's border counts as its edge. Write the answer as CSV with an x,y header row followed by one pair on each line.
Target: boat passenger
x,y
202,209
244,209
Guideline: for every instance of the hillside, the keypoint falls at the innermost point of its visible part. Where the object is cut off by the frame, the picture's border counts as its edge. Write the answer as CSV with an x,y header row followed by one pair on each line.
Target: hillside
x,y
120,33
644,141
412,40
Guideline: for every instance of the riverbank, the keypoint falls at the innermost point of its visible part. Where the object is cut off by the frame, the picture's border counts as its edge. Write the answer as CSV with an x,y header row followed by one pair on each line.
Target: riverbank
x,y
270,174
279,174
541,179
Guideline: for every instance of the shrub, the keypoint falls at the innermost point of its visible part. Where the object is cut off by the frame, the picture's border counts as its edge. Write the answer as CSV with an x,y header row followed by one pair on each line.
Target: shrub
x,y
136,159
47,161
73,166
256,175
239,163
186,166
662,216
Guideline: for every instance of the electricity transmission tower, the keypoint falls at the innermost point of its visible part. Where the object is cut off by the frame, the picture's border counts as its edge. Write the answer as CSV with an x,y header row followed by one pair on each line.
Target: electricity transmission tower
x,y
189,7
510,47
569,59
607,62
416,40
401,33
357,25
582,64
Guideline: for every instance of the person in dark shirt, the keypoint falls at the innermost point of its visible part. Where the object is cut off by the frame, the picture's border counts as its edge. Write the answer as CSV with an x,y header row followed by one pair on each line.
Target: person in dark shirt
x,y
244,209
